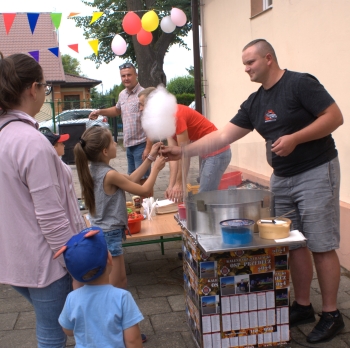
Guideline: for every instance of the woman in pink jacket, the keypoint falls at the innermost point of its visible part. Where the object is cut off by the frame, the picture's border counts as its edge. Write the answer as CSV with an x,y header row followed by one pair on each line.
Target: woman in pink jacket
x,y
36,211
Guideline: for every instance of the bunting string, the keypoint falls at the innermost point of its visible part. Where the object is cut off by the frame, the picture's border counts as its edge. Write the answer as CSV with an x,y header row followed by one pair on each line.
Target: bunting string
x,y
132,25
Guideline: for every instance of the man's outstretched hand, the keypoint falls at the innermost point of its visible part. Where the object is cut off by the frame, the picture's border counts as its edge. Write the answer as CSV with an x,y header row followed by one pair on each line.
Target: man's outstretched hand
x,y
94,114
172,152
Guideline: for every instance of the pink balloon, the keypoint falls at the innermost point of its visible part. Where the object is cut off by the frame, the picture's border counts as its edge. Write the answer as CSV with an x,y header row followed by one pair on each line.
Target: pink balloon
x,y
118,45
144,37
131,23
178,17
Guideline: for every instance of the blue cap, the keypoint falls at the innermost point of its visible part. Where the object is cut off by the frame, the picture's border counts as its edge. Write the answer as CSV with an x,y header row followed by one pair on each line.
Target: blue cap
x,y
84,252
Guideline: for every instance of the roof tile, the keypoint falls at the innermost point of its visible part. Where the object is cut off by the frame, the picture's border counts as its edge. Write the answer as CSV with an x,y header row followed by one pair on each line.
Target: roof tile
x,y
21,40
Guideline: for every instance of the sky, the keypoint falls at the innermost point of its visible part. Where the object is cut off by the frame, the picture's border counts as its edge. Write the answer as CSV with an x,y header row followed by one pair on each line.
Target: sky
x,y
175,62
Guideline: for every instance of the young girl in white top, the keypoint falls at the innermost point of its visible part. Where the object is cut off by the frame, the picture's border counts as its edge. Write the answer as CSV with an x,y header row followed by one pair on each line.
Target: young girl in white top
x,y
103,190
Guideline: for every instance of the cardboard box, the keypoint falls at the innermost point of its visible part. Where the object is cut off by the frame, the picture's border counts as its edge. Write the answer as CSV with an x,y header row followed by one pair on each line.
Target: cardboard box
x,y
238,298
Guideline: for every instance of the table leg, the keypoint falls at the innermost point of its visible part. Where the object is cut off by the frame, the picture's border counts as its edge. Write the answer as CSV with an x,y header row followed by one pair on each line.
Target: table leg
x,y
162,245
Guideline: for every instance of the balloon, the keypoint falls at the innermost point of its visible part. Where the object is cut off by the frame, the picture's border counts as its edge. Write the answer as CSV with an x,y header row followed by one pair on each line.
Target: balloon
x,y
150,21
178,17
131,23
144,37
118,45
167,25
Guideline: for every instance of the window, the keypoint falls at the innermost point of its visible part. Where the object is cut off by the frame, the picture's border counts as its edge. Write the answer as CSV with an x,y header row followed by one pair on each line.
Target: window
x,y
82,114
267,4
65,116
71,102
259,6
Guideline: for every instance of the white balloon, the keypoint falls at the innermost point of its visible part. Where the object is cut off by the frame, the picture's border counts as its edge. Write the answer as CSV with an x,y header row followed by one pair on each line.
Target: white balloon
x,y
178,17
158,116
118,45
167,25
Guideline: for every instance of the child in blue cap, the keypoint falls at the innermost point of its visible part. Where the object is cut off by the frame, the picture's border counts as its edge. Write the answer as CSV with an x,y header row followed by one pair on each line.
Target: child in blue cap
x,y
97,314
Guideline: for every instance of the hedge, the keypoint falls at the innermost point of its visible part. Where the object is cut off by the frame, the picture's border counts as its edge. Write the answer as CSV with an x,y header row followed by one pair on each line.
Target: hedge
x,y
185,98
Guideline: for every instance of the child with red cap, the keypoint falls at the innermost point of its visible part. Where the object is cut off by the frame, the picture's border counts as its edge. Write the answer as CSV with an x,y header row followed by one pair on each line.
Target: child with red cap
x,y
57,140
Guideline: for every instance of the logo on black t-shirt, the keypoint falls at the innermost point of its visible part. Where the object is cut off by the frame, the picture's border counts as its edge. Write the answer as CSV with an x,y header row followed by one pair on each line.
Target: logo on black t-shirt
x,y
270,116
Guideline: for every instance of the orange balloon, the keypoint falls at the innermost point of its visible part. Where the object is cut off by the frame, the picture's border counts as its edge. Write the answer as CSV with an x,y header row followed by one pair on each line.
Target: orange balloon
x,y
131,23
144,37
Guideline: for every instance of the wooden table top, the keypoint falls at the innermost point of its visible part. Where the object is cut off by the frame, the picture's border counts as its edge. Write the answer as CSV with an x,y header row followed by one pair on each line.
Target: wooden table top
x,y
160,225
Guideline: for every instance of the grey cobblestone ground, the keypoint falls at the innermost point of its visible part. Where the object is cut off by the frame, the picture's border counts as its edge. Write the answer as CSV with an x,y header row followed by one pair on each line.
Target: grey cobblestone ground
x,y
155,281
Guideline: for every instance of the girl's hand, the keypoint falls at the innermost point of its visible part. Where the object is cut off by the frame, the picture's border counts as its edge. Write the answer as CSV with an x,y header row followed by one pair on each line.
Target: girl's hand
x,y
155,149
159,163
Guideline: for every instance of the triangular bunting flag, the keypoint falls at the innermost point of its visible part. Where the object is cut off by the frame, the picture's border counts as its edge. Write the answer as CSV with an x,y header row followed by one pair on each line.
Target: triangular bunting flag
x,y
8,20
94,45
32,19
35,55
56,19
96,16
74,47
54,50
72,14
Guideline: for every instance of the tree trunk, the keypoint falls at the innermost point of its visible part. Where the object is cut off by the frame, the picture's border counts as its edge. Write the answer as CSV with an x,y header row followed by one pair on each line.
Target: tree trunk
x,y
150,58
150,65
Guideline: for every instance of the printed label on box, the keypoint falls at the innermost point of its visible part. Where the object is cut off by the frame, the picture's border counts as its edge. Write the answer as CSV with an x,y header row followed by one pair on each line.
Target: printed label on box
x,y
225,305
282,279
210,305
282,297
258,261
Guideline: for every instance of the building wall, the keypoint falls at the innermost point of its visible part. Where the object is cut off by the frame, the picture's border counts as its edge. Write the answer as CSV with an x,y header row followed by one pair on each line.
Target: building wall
x,y
308,36
60,93
55,101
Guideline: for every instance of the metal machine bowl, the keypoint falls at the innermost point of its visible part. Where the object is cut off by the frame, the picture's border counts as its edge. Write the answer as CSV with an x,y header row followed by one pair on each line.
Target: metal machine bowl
x,y
205,210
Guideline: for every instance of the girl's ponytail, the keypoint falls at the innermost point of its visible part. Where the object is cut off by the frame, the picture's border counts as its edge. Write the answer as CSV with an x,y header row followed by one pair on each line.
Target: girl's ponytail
x,y
89,148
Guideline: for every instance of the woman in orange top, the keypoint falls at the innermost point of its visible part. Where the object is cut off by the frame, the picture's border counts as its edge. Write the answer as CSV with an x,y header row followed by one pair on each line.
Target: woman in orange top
x,y
191,126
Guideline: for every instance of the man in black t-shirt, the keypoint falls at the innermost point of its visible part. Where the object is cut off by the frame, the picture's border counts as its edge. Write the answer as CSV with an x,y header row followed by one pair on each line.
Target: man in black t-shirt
x,y
296,116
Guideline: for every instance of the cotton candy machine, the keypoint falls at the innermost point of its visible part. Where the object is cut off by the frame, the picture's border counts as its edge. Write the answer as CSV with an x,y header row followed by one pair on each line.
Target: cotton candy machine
x,y
205,210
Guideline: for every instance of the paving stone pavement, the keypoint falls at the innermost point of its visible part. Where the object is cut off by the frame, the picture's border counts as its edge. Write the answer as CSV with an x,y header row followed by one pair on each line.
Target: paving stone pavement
x,y
155,281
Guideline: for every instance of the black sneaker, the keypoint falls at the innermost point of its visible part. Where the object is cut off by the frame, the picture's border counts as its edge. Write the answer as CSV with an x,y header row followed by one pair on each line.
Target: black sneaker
x,y
326,329
299,315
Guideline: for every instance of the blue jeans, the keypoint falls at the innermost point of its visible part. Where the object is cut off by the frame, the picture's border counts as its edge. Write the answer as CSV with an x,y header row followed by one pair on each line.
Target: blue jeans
x,y
314,195
212,169
114,240
48,303
134,156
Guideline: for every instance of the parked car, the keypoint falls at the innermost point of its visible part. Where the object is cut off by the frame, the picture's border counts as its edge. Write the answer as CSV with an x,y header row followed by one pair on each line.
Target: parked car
x,y
75,116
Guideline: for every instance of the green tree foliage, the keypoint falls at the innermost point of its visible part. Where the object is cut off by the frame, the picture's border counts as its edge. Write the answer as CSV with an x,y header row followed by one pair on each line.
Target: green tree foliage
x,y
94,94
190,70
114,91
111,94
71,65
181,85
148,59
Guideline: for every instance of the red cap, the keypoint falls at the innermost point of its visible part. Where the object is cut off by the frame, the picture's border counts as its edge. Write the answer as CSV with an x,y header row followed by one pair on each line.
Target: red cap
x,y
63,138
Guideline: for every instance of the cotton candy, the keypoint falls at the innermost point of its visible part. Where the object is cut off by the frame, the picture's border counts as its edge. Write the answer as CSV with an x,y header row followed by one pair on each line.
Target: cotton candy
x,y
158,116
